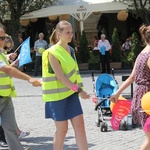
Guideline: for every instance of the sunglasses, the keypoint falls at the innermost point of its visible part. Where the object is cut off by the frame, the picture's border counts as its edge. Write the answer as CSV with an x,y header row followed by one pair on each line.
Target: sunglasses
x,y
2,38
6,48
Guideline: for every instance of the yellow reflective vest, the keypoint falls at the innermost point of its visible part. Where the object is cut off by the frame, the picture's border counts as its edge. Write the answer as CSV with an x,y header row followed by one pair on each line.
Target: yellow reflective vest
x,y
6,83
52,88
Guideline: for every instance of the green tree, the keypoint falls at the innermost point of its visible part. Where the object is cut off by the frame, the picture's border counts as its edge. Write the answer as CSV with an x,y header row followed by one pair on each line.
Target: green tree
x,y
116,48
135,48
139,8
12,10
84,50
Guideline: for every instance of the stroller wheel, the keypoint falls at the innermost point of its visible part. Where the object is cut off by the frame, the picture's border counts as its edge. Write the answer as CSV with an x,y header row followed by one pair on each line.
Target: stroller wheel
x,y
97,122
124,126
104,127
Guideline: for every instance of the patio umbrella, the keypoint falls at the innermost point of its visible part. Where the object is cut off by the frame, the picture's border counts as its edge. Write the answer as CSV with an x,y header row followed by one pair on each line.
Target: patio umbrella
x,y
79,9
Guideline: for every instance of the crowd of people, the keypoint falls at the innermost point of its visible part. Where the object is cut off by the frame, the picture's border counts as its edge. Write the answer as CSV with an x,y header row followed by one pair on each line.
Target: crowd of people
x,y
62,85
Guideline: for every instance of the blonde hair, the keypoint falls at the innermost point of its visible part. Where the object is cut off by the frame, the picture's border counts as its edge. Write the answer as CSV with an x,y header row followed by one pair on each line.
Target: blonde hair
x,y
61,24
145,33
7,40
53,38
59,28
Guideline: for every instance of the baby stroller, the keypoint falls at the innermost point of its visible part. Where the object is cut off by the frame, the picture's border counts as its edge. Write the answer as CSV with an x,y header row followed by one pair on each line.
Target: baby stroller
x,y
105,87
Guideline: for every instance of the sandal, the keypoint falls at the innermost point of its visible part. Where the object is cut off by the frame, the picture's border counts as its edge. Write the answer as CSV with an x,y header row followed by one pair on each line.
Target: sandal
x,y
23,134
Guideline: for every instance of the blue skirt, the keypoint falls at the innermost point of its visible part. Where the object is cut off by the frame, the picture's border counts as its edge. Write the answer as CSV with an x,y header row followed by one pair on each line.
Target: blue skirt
x,y
65,109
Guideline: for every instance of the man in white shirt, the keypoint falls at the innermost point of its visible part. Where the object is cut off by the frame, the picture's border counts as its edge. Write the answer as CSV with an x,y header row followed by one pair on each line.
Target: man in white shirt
x,y
40,43
104,48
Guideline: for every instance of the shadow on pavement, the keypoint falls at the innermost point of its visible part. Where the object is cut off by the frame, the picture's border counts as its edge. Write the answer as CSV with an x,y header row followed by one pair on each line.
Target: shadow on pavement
x,y
46,143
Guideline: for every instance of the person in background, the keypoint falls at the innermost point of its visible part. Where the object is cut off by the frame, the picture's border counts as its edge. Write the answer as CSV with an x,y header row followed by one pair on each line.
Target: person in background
x,y
20,39
126,47
62,86
8,45
40,43
104,48
7,91
95,43
140,74
76,44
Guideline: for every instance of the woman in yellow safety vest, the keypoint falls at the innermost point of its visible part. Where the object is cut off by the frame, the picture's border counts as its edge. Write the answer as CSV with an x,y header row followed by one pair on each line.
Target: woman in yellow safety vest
x,y
62,86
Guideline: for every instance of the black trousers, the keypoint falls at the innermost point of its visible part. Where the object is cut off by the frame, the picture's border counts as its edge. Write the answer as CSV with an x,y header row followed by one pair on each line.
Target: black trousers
x,y
105,62
38,64
2,135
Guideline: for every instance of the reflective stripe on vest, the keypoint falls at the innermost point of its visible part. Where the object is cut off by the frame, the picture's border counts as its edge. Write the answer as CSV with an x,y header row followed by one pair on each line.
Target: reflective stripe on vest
x,y
6,85
3,87
52,88
46,79
4,75
58,90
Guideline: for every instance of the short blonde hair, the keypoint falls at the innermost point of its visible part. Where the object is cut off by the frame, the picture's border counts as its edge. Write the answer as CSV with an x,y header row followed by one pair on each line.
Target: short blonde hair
x,y
7,40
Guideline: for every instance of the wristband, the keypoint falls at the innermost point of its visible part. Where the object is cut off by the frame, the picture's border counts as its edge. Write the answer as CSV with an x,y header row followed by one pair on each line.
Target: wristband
x,y
74,88
79,90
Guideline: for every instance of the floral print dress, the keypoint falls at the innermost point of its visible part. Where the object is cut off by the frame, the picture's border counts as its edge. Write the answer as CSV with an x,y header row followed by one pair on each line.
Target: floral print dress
x,y
142,80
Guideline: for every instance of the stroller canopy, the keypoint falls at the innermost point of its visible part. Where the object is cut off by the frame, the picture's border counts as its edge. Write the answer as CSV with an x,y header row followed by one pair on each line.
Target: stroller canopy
x,y
106,86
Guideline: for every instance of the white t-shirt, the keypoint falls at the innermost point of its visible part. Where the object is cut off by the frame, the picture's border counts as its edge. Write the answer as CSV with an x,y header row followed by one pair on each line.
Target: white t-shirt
x,y
104,43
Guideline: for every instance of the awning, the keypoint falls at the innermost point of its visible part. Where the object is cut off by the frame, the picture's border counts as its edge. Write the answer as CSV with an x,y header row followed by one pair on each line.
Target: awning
x,y
79,10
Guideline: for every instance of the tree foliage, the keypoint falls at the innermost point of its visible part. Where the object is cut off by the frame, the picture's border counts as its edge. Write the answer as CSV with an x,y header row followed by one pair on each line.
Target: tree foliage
x,y
12,10
140,8
136,48
84,50
116,48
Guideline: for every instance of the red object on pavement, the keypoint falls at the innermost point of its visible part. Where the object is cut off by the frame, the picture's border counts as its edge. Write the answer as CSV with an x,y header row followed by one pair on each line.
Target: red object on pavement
x,y
121,109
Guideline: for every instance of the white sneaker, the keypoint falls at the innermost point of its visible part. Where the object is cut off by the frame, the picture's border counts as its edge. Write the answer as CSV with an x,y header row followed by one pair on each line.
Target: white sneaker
x,y
23,134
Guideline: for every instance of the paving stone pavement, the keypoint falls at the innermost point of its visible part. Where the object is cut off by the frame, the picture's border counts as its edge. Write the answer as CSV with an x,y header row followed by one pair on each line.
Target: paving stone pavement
x,y
29,110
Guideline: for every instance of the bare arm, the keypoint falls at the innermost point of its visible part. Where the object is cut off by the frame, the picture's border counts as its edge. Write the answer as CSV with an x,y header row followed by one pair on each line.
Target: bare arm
x,y
148,62
35,47
61,77
127,82
20,75
59,73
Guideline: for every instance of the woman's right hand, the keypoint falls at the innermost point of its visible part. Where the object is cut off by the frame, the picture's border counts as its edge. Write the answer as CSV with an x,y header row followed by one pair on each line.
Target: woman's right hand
x,y
84,95
114,98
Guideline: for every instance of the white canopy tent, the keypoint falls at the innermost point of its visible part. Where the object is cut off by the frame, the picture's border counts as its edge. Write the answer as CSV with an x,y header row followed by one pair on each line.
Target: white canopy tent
x,y
79,9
